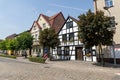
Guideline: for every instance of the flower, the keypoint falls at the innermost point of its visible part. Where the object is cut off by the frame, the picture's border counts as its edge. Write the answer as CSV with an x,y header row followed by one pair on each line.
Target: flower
x,y
88,54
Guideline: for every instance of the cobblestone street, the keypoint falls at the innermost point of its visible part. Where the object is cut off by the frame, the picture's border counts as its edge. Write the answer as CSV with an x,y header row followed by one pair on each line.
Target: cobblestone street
x,y
11,69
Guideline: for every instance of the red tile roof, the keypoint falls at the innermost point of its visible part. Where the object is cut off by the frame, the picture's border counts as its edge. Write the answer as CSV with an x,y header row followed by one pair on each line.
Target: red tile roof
x,y
56,21
11,36
38,25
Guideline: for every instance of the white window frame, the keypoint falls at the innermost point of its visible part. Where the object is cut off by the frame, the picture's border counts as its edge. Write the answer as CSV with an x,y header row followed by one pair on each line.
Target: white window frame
x,y
34,27
108,3
44,25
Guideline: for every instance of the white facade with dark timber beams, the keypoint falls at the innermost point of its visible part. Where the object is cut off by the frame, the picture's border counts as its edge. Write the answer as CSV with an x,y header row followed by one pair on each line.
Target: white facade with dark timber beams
x,y
70,47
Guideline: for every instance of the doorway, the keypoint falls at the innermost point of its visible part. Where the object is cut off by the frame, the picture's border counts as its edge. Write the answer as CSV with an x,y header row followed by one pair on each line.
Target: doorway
x,y
78,53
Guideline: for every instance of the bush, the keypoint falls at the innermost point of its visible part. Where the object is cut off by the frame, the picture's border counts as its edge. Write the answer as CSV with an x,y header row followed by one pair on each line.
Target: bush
x,y
8,56
37,59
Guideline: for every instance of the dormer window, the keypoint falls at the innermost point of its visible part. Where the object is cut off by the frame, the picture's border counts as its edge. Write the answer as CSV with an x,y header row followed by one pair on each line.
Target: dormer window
x,y
108,3
44,25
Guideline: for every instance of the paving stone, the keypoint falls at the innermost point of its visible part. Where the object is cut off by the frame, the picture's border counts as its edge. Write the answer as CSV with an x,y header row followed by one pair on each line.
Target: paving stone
x,y
22,69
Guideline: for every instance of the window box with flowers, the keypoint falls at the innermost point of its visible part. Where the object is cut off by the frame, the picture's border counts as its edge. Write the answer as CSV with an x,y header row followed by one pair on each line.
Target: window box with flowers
x,y
88,55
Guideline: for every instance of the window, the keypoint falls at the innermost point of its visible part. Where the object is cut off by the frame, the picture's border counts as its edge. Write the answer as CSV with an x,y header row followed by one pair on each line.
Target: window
x,y
59,52
44,25
71,36
64,37
94,52
35,36
108,3
66,51
69,24
34,27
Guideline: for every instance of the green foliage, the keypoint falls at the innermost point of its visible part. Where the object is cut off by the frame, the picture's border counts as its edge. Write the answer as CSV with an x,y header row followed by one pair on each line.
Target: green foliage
x,y
48,38
93,29
11,44
8,56
37,59
3,45
25,41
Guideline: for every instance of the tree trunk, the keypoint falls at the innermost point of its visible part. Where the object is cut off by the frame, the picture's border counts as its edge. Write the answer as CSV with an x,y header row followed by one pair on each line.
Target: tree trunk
x,y
51,53
100,52
30,52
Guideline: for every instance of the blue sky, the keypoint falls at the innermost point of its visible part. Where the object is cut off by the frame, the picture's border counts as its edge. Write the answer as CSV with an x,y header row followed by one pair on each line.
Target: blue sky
x,y
17,16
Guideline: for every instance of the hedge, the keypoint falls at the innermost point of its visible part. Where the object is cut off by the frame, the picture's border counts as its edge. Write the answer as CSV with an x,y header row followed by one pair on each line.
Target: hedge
x,y
8,56
37,59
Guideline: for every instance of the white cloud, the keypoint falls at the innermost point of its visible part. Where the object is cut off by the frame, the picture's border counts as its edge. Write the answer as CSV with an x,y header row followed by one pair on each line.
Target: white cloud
x,y
68,7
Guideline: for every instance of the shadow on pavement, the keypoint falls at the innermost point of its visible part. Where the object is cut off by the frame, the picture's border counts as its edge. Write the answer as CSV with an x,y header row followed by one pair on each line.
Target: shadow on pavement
x,y
107,65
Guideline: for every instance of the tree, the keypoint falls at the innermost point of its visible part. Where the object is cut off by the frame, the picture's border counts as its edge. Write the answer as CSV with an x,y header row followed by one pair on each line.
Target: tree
x,y
3,45
94,30
48,38
25,41
12,45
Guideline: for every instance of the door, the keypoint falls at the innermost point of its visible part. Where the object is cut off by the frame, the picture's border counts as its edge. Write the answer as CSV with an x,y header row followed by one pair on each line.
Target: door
x,y
78,53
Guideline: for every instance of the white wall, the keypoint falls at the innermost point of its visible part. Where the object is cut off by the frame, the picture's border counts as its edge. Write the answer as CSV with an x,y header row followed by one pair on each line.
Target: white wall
x,y
35,31
113,11
41,21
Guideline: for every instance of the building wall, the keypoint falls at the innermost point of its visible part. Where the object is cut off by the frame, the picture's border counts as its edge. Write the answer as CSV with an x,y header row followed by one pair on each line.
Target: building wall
x,y
114,11
72,45
67,31
37,49
35,31
41,21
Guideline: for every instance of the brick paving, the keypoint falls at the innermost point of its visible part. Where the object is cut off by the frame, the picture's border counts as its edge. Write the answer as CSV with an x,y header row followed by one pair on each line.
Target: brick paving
x,y
22,69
